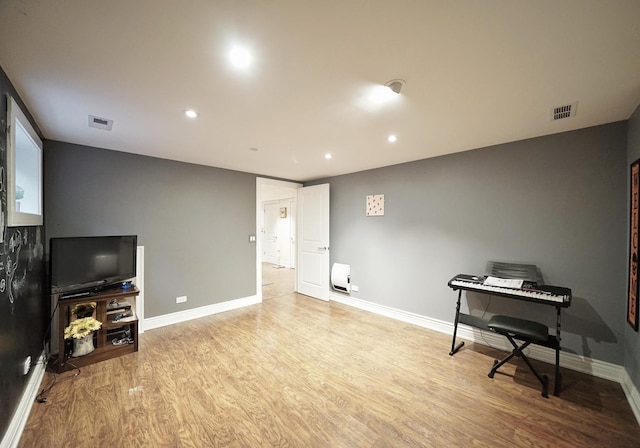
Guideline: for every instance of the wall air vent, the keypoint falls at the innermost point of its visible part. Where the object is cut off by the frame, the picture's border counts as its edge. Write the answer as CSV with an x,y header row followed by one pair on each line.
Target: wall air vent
x,y
564,111
100,123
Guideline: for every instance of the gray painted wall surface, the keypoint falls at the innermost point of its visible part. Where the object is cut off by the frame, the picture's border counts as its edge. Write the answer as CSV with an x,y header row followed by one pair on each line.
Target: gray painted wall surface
x,y
632,338
194,221
557,201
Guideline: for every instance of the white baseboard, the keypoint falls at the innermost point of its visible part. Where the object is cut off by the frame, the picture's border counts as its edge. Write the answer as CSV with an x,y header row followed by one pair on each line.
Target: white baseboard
x,y
633,397
570,361
20,417
194,313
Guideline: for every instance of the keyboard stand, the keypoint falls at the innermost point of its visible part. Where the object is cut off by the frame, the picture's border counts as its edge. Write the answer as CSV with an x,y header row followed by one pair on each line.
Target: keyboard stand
x,y
477,322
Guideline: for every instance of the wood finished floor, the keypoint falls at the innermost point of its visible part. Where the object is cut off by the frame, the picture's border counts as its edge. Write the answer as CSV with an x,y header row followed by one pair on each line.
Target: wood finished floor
x,y
298,372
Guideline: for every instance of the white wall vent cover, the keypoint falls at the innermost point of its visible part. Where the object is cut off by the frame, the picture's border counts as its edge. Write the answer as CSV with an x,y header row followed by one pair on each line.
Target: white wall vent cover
x,y
100,123
565,111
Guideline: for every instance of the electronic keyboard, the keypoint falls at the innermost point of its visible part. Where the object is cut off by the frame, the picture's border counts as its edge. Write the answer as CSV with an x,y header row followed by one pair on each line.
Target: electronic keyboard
x,y
550,295
513,281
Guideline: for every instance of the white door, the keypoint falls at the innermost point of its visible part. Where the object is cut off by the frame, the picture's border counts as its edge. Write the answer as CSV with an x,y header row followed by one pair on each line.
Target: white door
x,y
270,234
313,241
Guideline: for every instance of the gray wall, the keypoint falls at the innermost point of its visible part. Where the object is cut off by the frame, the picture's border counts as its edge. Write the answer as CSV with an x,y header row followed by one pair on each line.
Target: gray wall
x,y
557,201
193,221
632,338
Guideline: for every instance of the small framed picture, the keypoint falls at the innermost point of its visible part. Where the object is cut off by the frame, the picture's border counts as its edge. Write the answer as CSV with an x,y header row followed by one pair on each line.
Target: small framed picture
x,y
375,205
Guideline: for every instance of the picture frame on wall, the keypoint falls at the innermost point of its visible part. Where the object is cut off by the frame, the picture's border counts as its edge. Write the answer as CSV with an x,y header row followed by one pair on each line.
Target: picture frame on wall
x,y
632,293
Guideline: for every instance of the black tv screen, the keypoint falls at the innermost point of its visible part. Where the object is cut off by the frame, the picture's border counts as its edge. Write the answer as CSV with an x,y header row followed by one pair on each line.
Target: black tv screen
x,y
86,263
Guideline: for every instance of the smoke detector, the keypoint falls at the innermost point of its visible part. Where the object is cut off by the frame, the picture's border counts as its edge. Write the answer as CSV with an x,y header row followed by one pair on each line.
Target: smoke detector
x,y
100,123
564,111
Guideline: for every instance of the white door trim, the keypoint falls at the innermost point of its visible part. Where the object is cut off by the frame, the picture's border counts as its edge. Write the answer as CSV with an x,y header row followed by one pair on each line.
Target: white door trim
x,y
139,282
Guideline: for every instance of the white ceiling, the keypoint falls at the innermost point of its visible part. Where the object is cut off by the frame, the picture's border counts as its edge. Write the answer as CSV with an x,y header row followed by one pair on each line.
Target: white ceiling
x,y
477,73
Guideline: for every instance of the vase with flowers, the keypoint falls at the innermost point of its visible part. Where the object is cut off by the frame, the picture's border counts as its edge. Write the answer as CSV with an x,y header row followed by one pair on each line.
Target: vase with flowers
x,y
81,329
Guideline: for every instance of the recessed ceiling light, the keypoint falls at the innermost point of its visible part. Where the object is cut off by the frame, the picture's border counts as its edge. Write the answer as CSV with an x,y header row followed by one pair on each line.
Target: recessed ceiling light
x,y
328,156
395,85
382,94
240,57
392,138
387,92
191,113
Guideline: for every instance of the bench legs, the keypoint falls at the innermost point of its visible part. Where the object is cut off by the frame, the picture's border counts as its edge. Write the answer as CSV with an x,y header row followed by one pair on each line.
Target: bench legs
x,y
518,351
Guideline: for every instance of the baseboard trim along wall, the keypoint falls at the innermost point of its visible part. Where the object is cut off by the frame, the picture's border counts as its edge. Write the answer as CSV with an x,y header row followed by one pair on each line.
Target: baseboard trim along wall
x,y
195,313
19,420
632,395
571,361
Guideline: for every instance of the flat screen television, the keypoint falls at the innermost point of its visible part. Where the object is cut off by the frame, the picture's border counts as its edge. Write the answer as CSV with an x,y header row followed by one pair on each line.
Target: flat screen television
x,y
83,264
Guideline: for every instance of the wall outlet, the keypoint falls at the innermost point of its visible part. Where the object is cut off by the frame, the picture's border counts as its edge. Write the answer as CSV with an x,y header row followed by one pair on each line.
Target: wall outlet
x,y
181,299
252,238
354,288
26,366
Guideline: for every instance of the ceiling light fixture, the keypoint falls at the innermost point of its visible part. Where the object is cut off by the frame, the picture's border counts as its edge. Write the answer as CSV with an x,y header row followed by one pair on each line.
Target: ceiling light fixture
x,y
240,57
395,85
392,138
328,156
191,113
388,92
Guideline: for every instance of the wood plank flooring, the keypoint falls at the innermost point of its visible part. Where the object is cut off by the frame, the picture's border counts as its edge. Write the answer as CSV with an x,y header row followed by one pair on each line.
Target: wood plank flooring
x,y
298,372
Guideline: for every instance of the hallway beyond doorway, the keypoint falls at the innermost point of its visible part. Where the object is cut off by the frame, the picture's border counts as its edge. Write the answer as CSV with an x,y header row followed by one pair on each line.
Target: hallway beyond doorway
x,y
277,281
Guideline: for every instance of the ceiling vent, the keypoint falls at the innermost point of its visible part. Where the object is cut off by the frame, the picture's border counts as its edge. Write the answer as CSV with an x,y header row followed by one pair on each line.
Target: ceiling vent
x,y
100,123
565,111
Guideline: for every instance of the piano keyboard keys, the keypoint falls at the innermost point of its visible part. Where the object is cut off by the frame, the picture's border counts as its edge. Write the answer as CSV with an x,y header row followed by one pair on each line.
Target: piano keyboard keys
x,y
544,296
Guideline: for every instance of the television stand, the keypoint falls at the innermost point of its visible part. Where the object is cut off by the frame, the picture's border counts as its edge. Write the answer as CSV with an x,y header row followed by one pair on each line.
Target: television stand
x,y
118,335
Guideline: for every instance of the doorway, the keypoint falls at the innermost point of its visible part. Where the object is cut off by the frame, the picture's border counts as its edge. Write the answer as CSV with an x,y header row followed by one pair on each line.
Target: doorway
x,y
279,232
275,238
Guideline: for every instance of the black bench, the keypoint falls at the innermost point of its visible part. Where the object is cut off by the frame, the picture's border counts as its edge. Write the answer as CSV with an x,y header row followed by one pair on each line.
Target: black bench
x,y
523,330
